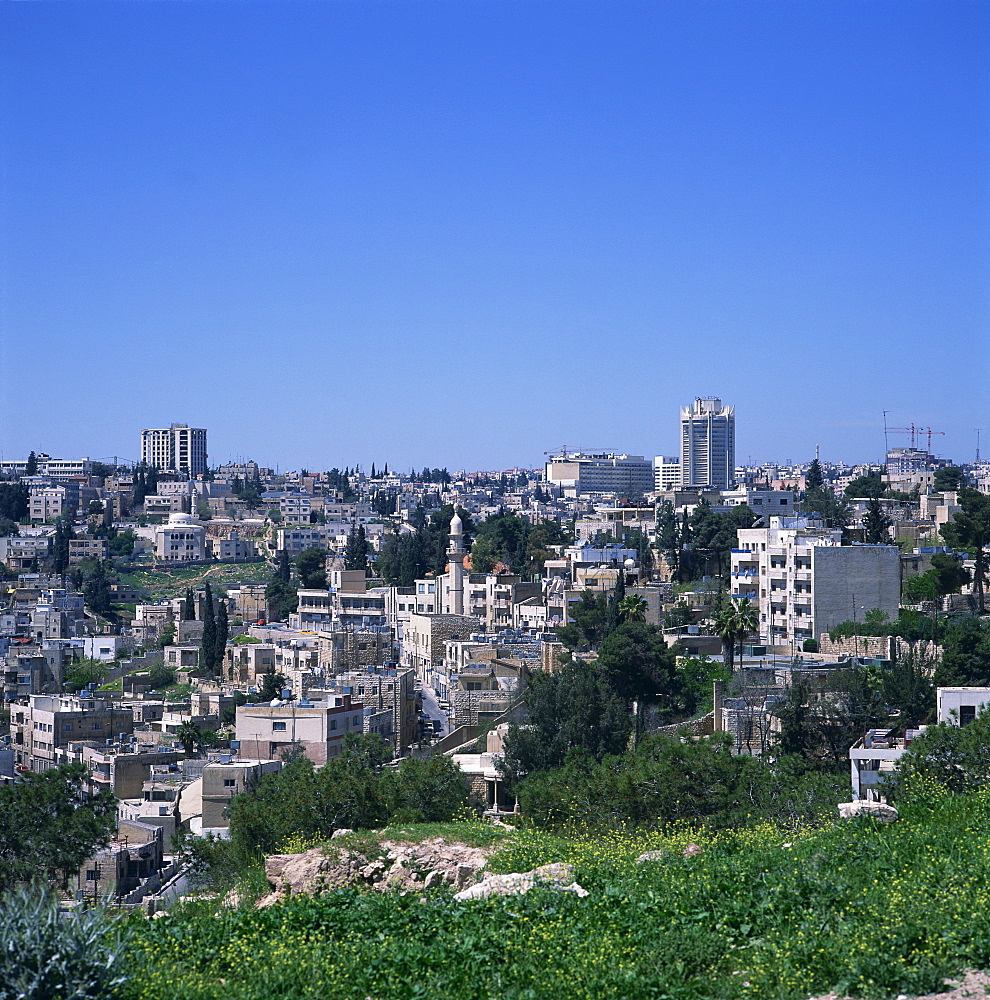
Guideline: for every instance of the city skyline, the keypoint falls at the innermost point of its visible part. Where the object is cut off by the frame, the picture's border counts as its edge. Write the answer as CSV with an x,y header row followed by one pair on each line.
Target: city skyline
x,y
426,234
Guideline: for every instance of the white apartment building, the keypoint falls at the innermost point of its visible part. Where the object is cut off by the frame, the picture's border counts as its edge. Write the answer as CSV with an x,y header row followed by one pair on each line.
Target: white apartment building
x,y
605,472
179,448
806,582
708,444
666,472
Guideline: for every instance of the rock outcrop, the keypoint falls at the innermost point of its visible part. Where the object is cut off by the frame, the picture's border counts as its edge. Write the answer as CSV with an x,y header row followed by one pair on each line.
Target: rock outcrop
x,y
556,875
878,810
402,866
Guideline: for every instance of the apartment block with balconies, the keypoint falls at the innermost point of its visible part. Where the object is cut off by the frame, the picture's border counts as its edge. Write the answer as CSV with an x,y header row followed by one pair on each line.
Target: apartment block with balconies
x,y
806,582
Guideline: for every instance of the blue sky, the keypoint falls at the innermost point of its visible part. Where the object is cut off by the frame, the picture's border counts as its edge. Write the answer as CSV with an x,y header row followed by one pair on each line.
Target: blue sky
x,y
461,233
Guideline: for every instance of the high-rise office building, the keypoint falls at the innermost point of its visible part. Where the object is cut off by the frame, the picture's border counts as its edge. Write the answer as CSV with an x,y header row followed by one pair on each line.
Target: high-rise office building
x,y
179,448
708,444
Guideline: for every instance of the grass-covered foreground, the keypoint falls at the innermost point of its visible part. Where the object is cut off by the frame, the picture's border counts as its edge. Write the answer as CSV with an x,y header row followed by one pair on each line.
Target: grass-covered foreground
x,y
860,908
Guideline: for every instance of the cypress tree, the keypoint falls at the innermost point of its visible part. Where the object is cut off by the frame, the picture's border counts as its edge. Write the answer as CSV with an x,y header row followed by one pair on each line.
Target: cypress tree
x,y
223,633
208,646
189,607
31,469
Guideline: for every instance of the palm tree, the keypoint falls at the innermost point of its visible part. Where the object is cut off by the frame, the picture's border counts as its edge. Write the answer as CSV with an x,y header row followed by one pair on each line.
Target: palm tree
x,y
732,623
190,737
633,608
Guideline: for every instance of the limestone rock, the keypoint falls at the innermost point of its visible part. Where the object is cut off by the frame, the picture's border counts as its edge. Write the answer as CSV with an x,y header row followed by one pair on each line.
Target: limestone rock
x,y
878,810
649,856
521,882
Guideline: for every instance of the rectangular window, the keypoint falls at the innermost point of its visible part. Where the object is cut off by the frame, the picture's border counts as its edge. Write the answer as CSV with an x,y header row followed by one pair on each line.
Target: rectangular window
x,y
229,782
278,727
333,724
967,714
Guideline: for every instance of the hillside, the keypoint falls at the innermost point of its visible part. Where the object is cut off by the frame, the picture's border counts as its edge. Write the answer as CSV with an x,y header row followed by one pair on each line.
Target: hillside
x,y
859,908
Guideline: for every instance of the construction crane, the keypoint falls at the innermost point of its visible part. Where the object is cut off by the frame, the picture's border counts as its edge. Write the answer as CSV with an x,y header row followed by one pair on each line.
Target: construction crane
x,y
916,430
563,451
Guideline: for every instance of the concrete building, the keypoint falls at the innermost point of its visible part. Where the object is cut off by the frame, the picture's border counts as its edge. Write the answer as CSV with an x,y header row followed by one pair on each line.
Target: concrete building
x,y
49,502
423,645
805,582
178,448
48,724
224,777
318,728
183,539
629,476
666,472
708,444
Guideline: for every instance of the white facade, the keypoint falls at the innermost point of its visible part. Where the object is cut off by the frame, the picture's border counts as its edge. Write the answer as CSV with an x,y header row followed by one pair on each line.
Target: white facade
x,y
183,539
666,472
708,444
179,448
805,582
627,475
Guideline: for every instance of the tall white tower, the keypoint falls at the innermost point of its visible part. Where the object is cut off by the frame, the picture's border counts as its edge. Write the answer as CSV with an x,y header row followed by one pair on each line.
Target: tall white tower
x,y
708,444
455,572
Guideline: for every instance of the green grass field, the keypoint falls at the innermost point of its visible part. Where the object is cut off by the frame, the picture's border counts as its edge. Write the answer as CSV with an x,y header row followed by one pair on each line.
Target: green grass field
x,y
163,584
861,908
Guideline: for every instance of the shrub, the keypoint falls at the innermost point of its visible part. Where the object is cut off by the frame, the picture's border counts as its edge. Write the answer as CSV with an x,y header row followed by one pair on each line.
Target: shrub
x,y
47,955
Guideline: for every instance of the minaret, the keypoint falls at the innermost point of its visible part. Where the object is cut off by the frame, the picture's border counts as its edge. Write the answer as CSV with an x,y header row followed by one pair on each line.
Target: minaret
x,y
455,573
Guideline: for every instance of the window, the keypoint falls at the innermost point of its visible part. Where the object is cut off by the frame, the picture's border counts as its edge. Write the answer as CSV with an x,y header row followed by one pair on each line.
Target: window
x,y
229,782
66,727
278,727
92,874
163,810
333,724
967,714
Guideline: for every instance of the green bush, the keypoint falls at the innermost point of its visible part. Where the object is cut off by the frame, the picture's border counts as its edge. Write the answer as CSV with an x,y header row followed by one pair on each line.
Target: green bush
x,y
48,955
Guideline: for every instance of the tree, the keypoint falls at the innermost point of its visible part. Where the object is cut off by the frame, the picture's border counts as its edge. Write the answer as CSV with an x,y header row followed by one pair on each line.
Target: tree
x,y
814,478
223,633
573,708
588,629
31,467
876,524
161,676
312,567
85,672
274,515
356,551
823,503
970,530
640,667
167,635
50,824
208,643
949,479
957,757
282,569
732,623
271,685
189,606
965,654
190,737
60,545
96,590
871,485
281,598
633,608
